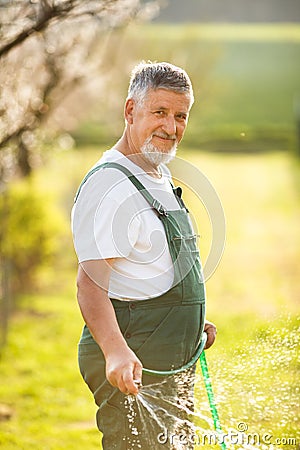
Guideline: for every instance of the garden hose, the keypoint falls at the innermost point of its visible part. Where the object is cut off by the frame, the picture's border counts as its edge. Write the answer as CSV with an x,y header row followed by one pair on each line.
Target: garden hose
x,y
193,360
199,354
211,400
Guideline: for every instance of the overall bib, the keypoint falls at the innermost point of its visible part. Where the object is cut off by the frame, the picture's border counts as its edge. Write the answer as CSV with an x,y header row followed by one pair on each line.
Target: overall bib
x,y
164,332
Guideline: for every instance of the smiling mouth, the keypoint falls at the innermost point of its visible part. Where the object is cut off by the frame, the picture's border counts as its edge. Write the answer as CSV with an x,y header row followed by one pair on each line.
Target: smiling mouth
x,y
165,138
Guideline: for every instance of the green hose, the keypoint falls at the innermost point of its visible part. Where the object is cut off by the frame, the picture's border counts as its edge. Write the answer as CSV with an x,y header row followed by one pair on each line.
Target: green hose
x,y
199,354
211,400
193,360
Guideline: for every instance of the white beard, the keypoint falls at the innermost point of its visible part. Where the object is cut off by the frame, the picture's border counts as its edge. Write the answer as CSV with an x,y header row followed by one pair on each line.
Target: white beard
x,y
156,157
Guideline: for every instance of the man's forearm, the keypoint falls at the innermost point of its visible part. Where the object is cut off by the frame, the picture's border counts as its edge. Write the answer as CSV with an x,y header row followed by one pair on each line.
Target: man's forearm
x,y
123,368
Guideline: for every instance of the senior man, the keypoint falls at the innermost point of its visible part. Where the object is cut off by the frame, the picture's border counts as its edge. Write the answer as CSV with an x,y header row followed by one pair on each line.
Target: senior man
x,y
140,285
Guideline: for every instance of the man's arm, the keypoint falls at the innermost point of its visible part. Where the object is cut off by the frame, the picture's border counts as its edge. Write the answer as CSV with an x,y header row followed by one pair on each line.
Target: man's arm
x,y
122,365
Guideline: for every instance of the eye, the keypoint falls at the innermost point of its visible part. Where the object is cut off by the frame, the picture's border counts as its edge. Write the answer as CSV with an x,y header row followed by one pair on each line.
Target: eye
x,y
181,117
159,113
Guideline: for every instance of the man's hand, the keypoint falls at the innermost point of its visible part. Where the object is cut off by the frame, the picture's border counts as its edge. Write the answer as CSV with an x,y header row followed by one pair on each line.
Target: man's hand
x,y
124,370
211,331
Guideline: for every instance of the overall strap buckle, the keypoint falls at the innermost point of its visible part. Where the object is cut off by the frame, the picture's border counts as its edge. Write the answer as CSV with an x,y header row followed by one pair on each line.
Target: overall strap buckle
x,y
159,208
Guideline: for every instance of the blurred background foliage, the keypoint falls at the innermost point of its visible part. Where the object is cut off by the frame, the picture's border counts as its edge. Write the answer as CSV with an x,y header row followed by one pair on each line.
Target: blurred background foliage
x,y
245,79
34,225
50,70
64,76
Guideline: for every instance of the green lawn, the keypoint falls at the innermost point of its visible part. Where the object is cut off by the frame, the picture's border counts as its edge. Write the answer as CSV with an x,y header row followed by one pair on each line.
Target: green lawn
x,y
253,297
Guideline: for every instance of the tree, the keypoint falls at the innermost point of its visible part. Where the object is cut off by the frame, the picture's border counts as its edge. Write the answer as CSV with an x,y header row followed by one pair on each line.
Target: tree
x,y
49,55
51,65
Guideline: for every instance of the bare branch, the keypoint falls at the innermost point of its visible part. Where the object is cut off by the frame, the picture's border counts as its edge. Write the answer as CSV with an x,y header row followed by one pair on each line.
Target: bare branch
x,y
47,13
13,135
60,60
42,16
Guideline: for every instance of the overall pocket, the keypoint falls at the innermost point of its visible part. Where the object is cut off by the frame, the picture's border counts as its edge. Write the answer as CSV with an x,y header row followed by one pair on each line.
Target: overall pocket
x,y
187,269
91,365
174,342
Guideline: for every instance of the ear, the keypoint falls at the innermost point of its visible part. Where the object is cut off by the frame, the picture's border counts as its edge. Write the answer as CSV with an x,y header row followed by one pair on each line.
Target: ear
x,y
128,110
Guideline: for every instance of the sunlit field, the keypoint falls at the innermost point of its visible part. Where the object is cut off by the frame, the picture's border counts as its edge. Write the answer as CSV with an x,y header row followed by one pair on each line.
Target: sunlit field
x,y
245,78
242,137
253,297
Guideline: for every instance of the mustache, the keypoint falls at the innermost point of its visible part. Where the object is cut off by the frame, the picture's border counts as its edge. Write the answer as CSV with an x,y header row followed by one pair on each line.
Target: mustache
x,y
164,135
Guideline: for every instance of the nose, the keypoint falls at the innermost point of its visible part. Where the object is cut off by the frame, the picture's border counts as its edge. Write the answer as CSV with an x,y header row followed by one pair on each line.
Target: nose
x,y
169,125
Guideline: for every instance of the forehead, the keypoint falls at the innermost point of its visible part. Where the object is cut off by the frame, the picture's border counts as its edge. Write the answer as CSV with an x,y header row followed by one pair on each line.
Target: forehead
x,y
166,99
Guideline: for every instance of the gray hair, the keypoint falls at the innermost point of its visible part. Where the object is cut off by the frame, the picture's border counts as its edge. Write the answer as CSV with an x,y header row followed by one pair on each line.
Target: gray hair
x,y
158,75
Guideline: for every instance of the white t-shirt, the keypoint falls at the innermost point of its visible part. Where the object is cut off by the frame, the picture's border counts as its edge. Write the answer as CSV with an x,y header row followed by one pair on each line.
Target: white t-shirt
x,y
111,219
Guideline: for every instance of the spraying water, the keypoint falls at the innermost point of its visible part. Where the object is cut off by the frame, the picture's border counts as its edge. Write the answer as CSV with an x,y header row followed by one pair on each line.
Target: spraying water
x,y
256,394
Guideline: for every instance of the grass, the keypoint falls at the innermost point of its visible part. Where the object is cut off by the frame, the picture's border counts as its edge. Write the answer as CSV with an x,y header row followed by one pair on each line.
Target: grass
x,y
39,380
253,297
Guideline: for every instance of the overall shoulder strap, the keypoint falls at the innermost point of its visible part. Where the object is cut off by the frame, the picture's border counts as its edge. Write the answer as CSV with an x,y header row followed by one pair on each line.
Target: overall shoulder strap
x,y
146,194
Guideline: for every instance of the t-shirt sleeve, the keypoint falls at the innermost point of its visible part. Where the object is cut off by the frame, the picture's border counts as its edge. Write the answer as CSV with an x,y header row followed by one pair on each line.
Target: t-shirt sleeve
x,y
104,219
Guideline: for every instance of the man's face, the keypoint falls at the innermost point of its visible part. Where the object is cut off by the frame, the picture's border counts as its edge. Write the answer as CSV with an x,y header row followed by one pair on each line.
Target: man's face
x,y
159,122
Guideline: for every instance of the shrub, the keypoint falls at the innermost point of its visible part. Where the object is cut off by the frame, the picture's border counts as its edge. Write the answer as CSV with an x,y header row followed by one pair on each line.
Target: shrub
x,y
29,233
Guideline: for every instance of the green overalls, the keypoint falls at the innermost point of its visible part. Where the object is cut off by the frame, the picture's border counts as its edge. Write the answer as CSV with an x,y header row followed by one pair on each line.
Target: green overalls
x,y
164,331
